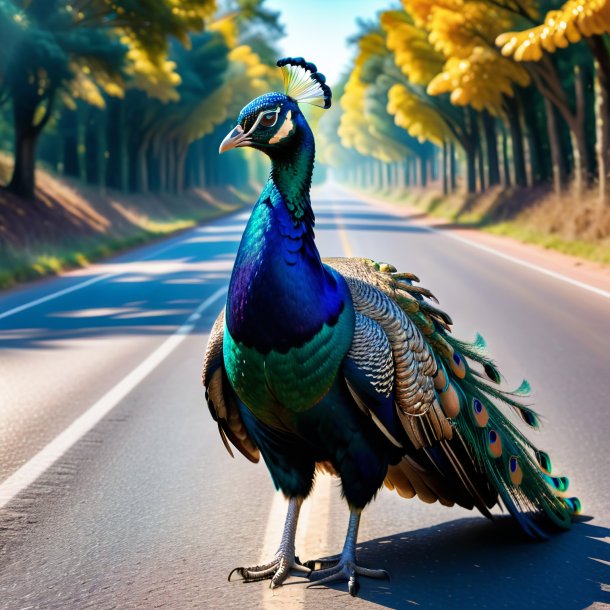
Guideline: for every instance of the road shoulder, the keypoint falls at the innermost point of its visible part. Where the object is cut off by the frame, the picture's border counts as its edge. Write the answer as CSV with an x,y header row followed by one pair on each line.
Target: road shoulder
x,y
578,270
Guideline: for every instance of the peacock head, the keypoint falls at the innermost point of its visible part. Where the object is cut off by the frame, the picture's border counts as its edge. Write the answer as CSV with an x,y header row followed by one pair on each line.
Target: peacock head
x,y
270,122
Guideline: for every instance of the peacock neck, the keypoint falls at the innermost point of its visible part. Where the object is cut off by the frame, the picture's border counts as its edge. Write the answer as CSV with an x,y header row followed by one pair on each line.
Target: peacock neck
x,y
291,171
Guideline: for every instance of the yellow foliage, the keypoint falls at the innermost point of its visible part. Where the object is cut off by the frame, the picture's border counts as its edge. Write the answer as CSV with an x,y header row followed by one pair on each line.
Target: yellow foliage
x,y
457,26
84,87
420,120
413,53
480,80
249,77
355,128
227,27
575,19
421,10
461,33
157,77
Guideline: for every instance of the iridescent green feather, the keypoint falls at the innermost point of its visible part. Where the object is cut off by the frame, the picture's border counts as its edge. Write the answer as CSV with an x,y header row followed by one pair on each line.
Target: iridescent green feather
x,y
520,472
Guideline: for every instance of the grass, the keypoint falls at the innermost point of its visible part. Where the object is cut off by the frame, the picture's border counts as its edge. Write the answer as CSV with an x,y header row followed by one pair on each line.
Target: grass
x,y
577,226
596,252
70,224
41,259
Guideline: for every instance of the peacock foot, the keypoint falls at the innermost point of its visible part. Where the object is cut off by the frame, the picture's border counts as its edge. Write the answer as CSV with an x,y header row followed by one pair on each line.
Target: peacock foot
x,y
345,569
277,569
284,561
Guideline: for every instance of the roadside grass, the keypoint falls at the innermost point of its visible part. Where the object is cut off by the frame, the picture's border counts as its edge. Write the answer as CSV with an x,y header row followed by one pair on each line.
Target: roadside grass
x,y
578,227
22,265
70,225
40,259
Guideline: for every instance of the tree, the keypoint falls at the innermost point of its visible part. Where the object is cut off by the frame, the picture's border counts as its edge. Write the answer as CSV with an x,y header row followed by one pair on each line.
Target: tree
x,y
560,29
57,46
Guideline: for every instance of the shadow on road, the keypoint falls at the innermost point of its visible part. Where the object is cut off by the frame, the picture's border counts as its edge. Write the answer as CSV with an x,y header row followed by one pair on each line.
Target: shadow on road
x,y
473,563
146,297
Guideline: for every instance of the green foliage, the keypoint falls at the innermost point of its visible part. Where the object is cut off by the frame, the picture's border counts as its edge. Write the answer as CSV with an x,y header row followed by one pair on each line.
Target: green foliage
x,y
163,82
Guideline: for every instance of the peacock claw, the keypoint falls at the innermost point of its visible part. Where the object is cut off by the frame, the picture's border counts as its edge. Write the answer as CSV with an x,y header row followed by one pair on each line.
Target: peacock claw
x,y
345,569
277,570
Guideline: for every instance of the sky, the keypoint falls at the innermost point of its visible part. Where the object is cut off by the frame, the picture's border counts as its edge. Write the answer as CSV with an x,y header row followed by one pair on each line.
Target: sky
x,y
317,30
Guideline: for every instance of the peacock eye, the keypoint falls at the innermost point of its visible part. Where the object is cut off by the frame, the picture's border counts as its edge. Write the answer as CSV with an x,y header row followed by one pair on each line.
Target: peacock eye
x,y
268,119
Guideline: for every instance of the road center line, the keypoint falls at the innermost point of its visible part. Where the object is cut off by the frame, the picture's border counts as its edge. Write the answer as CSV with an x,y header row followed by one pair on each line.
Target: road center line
x,y
347,247
46,457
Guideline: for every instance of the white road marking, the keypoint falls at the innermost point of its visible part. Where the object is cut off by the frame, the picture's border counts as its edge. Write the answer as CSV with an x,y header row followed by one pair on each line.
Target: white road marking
x,y
508,257
89,282
347,247
37,465
56,295
522,263
311,535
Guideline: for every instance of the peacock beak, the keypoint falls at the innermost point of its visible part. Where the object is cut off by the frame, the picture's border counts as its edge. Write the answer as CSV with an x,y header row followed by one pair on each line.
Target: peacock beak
x,y
234,138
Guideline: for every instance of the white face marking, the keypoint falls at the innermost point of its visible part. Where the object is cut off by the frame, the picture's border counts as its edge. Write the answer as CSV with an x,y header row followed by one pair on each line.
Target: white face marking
x,y
284,130
260,117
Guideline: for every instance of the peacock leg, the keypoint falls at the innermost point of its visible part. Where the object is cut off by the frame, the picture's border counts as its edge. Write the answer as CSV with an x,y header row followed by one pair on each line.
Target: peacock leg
x,y
346,568
284,561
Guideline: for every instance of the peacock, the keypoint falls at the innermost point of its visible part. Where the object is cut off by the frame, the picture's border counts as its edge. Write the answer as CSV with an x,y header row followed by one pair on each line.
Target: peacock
x,y
347,366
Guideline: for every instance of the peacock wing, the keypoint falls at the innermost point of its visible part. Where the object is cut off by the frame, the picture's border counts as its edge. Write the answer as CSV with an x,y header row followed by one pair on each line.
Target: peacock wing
x,y
221,398
411,363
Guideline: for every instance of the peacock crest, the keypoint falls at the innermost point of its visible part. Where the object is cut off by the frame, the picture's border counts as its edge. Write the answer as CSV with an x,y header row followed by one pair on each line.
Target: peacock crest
x,y
303,82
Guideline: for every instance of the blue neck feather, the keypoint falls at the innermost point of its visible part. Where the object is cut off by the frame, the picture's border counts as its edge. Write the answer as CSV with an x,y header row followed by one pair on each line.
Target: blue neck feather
x,y
292,168
280,293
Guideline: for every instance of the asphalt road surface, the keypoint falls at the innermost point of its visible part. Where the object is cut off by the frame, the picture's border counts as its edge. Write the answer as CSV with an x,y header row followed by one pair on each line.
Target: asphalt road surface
x,y
116,491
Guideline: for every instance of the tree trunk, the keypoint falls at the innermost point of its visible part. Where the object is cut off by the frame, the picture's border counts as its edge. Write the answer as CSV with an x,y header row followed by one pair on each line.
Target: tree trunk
x,y
471,168
180,169
423,170
557,156
481,164
383,170
538,160
445,168
201,175
116,176
602,114
516,135
26,101
582,174
452,168
171,167
22,182
94,148
491,140
552,87
505,160
142,181
68,127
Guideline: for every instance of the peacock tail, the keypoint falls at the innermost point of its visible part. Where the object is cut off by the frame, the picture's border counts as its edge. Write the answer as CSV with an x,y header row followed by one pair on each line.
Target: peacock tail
x,y
463,413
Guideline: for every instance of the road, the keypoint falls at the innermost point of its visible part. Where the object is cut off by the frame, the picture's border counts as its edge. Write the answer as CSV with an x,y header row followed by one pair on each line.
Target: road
x,y
117,492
